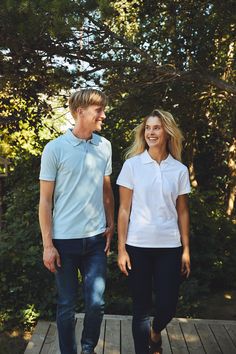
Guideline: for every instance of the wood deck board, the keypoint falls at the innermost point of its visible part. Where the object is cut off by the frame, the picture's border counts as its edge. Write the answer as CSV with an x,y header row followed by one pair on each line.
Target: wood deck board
x,y
165,342
207,338
35,344
51,345
224,341
127,345
177,341
181,336
112,337
78,333
231,329
101,341
192,339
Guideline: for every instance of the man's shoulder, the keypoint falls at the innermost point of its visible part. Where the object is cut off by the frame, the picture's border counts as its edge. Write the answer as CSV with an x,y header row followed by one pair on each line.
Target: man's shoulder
x,y
56,141
54,144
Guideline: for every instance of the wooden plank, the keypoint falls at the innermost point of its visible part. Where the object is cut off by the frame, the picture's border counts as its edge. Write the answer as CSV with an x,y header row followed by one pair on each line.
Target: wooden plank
x,y
54,347
49,340
200,320
231,329
78,332
165,342
36,342
207,338
101,342
176,338
191,337
127,343
224,341
112,337
108,317
184,335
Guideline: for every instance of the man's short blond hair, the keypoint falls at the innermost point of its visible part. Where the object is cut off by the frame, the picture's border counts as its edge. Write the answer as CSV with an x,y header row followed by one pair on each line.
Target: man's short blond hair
x,y
86,97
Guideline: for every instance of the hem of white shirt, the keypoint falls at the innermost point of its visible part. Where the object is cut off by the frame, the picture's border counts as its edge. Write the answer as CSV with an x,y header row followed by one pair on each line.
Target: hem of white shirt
x,y
156,246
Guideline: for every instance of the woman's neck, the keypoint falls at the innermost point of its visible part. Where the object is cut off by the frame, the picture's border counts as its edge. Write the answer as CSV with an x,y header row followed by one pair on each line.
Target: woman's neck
x,y
158,155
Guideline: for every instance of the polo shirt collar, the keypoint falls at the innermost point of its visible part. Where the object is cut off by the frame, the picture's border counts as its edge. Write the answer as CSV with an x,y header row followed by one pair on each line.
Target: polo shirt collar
x,y
146,158
72,139
95,139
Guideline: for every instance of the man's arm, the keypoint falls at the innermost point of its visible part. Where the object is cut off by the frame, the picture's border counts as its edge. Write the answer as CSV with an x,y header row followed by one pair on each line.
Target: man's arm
x,y
108,200
51,257
183,220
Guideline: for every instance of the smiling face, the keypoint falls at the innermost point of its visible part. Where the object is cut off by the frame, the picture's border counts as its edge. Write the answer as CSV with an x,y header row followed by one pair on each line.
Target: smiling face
x,y
92,117
155,134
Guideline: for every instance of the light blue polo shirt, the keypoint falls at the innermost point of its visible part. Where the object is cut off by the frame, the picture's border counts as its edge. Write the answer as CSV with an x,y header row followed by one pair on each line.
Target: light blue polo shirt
x,y
78,167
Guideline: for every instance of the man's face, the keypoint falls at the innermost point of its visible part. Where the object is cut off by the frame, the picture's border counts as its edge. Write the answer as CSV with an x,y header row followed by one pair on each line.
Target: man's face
x,y
92,117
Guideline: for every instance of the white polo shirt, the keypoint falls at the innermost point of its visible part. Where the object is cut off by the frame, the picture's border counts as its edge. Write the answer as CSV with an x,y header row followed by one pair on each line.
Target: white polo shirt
x,y
153,217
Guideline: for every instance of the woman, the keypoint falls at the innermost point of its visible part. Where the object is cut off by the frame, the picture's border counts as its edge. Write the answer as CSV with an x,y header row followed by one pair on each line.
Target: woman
x,y
153,226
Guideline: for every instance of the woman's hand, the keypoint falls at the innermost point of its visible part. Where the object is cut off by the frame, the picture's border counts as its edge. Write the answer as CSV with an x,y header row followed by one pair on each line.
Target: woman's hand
x,y
185,264
124,262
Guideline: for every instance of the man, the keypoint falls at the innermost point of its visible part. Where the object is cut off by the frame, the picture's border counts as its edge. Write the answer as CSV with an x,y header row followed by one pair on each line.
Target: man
x,y
76,213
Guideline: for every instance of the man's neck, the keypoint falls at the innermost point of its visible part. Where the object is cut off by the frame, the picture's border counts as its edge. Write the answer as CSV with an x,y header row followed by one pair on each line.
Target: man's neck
x,y
82,134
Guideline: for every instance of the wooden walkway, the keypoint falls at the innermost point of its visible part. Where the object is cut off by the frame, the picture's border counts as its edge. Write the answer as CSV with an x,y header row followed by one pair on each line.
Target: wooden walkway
x,y
182,336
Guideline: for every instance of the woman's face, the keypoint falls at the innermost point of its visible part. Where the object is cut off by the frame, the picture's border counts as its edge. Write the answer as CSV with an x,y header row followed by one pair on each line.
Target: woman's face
x,y
155,134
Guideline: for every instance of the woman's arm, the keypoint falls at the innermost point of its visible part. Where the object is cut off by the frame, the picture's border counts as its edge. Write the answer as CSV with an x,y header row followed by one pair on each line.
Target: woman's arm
x,y
183,221
108,201
123,222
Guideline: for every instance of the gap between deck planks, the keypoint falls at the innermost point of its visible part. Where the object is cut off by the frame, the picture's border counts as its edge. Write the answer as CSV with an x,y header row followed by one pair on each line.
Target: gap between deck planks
x,y
194,336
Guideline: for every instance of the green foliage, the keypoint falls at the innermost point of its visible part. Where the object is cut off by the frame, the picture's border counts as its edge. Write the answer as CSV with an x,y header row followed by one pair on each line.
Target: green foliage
x,y
174,55
23,279
213,243
30,316
118,300
122,16
27,288
212,253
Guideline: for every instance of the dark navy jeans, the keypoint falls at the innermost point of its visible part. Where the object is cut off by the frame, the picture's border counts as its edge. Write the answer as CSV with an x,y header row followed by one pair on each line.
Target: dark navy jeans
x,y
86,255
153,270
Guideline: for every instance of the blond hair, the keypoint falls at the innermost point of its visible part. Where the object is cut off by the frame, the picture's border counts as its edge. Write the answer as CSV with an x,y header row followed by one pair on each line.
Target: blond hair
x,y
86,97
175,137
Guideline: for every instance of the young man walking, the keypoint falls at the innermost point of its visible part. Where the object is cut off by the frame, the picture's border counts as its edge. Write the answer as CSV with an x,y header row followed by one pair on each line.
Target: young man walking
x,y
76,212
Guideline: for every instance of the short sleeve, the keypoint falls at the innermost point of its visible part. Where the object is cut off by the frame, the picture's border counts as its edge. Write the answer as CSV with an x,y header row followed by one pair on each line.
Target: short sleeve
x,y
184,184
125,177
108,169
48,168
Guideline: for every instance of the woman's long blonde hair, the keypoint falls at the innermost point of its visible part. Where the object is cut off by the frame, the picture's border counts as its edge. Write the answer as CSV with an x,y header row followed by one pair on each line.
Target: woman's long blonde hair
x,y
175,137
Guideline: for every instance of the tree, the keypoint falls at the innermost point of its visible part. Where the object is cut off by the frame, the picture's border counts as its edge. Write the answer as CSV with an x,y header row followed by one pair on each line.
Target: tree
x,y
65,43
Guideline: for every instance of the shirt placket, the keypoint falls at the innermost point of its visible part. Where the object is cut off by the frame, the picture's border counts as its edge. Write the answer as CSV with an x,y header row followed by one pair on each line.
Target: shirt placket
x,y
161,201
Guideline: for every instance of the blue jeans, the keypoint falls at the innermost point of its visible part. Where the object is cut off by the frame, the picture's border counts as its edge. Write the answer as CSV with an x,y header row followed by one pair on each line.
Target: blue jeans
x,y
153,270
86,255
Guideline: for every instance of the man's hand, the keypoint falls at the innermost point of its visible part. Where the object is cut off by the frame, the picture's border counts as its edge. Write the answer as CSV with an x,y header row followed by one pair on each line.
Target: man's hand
x,y
108,234
51,258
